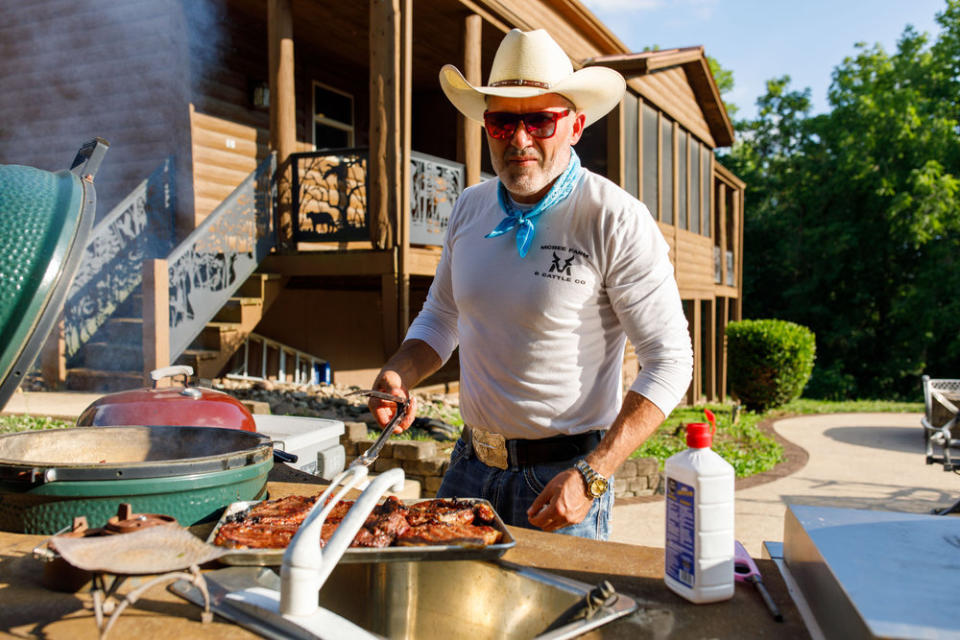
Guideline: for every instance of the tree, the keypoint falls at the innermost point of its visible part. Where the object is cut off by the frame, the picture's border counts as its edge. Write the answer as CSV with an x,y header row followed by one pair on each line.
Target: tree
x,y
853,221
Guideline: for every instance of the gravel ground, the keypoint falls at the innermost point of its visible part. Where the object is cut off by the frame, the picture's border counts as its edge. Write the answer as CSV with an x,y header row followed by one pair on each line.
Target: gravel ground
x,y
331,401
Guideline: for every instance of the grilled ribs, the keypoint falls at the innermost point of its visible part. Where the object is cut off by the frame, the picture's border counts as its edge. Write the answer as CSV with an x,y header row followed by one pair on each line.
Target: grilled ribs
x,y
441,533
271,524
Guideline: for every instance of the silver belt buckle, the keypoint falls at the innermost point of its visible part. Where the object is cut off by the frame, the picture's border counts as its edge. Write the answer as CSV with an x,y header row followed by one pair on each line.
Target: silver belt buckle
x,y
490,448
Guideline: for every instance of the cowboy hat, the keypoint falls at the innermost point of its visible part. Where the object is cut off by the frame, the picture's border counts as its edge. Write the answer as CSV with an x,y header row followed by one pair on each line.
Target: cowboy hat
x,y
530,64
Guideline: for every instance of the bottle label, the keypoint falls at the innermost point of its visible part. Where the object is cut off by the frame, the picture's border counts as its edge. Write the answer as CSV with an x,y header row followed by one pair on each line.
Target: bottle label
x,y
681,527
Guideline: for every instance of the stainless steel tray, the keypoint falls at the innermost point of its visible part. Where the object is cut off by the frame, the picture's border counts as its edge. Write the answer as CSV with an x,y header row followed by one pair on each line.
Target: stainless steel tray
x,y
274,557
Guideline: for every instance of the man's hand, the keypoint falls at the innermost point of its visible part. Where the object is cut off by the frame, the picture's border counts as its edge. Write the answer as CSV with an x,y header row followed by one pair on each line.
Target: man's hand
x,y
383,410
564,501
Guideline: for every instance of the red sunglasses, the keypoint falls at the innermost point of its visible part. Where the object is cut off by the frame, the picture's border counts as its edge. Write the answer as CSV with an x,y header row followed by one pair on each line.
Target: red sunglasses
x,y
539,124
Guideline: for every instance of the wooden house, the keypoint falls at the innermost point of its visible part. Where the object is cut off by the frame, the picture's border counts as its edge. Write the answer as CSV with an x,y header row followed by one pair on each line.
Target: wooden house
x,y
320,126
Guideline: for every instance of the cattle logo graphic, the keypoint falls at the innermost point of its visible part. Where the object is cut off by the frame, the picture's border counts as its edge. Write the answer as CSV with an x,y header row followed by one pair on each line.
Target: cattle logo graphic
x,y
565,268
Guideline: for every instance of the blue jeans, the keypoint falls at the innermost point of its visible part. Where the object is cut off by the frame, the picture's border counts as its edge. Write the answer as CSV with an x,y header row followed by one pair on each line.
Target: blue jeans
x,y
512,491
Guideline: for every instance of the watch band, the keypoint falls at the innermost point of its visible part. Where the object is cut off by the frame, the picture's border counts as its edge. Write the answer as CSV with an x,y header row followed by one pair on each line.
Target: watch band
x,y
596,485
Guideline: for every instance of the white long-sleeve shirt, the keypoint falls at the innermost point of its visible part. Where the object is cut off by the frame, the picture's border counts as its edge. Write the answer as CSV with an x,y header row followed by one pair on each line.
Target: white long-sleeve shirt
x,y
542,337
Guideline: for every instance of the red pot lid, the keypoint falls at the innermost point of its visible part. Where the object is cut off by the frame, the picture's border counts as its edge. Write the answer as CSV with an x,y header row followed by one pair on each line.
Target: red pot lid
x,y
177,406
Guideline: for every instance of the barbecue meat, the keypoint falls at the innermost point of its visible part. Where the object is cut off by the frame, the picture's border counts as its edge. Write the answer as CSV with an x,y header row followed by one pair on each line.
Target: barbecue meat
x,y
292,509
272,524
383,525
445,534
442,510
256,535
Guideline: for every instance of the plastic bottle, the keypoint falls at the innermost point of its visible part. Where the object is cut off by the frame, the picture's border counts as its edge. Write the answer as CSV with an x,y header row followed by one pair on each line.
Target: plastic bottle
x,y
699,536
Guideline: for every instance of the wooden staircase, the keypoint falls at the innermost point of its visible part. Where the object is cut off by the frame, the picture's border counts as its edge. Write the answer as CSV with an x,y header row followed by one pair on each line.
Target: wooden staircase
x,y
113,358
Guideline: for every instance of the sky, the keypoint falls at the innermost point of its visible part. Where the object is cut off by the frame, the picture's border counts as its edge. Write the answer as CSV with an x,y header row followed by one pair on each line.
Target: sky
x,y
763,39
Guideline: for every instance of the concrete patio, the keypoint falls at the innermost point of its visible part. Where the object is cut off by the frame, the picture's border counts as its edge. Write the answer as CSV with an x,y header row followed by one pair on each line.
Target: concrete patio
x,y
858,461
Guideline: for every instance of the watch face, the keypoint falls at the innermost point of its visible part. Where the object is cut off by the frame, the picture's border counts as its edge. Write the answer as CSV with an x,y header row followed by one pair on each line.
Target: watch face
x,y
598,487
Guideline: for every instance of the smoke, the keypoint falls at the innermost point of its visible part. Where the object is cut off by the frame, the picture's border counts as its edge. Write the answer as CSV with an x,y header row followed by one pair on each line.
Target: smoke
x,y
118,69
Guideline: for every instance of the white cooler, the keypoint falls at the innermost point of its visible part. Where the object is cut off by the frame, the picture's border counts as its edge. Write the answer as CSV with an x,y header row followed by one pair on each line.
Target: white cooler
x,y
316,442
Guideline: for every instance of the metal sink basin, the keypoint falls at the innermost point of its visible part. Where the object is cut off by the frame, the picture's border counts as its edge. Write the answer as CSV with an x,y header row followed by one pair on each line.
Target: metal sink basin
x,y
426,600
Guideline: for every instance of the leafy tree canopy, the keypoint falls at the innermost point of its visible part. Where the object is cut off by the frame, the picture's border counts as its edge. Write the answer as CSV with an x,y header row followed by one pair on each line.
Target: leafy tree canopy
x,y
853,216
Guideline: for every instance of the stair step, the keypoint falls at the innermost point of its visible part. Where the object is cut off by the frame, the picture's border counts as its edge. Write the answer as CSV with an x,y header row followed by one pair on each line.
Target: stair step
x,y
112,356
232,311
82,379
213,334
203,361
128,331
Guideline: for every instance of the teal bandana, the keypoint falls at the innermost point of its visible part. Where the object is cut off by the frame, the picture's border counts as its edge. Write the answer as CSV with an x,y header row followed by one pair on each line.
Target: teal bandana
x,y
523,220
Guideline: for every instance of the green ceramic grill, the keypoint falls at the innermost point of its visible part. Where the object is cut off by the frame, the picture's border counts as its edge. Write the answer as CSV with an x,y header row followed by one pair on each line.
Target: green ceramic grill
x,y
47,478
46,220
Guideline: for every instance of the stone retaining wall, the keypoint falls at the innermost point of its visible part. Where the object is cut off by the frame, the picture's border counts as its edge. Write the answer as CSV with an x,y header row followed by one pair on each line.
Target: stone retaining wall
x,y
425,461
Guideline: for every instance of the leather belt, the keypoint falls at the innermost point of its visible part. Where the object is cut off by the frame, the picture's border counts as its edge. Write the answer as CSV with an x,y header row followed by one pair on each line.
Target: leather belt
x,y
494,450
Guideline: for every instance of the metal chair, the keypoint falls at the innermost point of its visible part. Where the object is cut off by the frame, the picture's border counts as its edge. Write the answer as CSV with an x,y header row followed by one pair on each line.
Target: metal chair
x,y
941,398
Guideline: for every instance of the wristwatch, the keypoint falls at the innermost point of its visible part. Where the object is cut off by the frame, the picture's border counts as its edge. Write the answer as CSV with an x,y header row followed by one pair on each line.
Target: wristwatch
x,y
597,485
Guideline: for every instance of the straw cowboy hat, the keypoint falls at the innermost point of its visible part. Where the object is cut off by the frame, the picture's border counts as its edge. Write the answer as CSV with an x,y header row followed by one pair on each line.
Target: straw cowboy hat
x,y
531,64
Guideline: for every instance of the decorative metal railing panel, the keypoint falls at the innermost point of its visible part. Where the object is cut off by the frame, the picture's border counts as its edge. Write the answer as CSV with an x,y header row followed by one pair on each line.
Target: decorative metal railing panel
x,y
138,228
329,195
212,262
435,186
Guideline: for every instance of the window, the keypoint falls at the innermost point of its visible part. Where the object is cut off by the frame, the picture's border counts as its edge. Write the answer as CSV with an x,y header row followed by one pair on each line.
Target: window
x,y
650,159
695,215
682,210
630,142
666,170
332,118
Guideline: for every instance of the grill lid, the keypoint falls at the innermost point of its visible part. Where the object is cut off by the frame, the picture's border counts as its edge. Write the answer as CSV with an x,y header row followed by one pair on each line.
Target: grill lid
x,y
47,218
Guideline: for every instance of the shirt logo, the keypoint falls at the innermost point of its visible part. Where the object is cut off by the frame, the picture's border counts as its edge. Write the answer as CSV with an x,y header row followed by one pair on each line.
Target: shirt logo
x,y
565,269
561,264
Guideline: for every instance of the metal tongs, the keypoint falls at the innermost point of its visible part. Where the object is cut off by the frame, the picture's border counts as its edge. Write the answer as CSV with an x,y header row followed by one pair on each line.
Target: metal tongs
x,y
403,404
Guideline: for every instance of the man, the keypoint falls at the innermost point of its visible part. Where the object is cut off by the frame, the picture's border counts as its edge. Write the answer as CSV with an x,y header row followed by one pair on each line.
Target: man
x,y
544,274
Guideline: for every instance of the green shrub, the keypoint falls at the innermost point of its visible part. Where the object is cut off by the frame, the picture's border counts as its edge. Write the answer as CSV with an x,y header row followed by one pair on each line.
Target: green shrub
x,y
770,361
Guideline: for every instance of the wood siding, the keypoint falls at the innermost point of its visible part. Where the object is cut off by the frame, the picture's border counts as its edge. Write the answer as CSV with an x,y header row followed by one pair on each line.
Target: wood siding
x,y
73,70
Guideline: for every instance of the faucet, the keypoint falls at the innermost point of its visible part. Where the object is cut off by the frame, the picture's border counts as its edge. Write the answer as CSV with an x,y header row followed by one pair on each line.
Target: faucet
x,y
305,567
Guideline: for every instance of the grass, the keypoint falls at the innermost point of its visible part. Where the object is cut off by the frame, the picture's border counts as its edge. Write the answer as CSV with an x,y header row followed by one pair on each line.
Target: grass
x,y
12,424
744,445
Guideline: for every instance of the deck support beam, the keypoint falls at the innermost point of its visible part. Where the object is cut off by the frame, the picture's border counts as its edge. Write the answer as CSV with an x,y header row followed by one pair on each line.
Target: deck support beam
x,y
283,111
469,151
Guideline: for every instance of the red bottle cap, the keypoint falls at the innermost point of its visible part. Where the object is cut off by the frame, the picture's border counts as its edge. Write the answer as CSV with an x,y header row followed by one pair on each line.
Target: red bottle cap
x,y
699,435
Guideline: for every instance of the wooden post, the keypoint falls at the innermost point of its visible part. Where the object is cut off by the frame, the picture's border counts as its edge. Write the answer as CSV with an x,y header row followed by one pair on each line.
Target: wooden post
x,y
403,210
471,132
615,159
388,303
156,317
722,230
283,111
383,166
697,352
53,358
738,251
710,349
722,316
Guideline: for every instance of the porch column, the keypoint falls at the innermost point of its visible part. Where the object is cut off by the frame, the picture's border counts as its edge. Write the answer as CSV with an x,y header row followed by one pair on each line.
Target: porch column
x,y
283,111
723,314
709,322
469,150
384,172
388,164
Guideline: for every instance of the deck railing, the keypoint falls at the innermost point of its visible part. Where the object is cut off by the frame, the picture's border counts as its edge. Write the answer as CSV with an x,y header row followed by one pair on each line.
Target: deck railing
x,y
329,195
212,262
139,228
